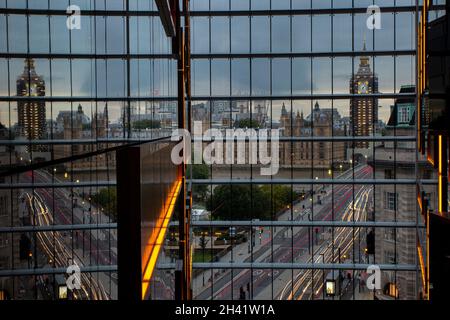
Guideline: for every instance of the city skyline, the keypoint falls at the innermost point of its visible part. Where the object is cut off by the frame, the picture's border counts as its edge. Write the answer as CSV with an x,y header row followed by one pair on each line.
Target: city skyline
x,y
224,150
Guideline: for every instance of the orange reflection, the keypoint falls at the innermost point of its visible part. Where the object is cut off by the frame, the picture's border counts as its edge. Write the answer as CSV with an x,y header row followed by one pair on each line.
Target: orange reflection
x,y
440,178
153,247
422,266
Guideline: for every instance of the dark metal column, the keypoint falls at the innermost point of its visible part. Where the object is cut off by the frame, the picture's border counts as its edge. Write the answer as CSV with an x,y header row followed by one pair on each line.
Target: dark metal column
x,y
183,290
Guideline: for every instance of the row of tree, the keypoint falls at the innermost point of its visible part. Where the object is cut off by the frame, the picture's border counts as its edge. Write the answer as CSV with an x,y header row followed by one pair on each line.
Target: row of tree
x,y
245,202
106,198
240,202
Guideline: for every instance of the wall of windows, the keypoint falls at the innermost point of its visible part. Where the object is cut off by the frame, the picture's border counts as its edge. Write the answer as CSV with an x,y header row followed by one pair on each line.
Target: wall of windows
x,y
333,87
69,97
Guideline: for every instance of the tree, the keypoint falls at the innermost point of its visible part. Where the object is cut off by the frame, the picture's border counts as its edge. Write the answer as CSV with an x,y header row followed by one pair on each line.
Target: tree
x,y
247,123
203,242
107,199
199,171
281,196
146,124
239,202
245,202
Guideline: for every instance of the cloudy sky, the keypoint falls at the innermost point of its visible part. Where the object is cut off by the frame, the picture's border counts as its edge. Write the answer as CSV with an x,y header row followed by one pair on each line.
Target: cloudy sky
x,y
216,77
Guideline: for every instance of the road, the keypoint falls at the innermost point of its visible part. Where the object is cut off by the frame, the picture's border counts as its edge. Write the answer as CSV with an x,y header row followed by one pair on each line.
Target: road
x,y
56,247
344,239
90,247
336,205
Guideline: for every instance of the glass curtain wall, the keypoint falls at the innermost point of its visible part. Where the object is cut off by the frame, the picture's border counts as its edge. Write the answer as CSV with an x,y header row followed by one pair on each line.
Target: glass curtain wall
x,y
339,85
74,85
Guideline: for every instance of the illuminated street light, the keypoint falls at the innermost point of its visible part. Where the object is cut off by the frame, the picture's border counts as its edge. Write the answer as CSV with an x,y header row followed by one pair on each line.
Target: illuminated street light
x,y
330,287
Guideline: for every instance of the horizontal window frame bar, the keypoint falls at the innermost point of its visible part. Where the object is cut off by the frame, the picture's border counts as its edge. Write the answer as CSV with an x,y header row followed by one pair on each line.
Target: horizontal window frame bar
x,y
313,138
84,99
330,54
7,186
57,185
74,141
90,56
291,266
337,96
202,56
297,223
132,140
44,271
218,13
60,227
310,181
302,12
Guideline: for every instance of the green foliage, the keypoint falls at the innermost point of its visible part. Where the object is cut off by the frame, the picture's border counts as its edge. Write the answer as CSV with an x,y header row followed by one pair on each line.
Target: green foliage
x,y
203,242
281,196
146,124
245,202
247,123
199,171
107,199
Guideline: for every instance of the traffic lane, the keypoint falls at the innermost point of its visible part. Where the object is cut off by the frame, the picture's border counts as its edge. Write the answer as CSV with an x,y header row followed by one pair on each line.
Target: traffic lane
x,y
300,238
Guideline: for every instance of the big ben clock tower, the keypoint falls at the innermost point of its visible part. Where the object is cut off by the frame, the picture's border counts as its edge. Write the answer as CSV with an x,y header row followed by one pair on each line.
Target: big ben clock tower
x,y
31,114
364,109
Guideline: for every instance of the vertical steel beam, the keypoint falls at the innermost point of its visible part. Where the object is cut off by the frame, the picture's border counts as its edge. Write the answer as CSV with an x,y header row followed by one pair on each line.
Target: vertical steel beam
x,y
182,50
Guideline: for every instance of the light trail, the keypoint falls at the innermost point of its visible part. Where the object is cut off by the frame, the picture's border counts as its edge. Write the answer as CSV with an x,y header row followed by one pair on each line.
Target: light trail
x,y
54,246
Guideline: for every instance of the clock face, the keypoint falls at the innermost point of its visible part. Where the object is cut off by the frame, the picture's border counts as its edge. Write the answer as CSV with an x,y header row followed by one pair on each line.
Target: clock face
x,y
33,91
363,87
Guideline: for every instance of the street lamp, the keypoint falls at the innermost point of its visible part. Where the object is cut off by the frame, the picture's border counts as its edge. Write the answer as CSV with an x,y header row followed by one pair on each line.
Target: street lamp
x,y
62,292
330,287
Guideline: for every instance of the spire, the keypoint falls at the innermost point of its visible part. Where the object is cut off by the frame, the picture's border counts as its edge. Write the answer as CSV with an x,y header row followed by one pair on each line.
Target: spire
x,y
105,112
364,60
283,110
29,63
28,68
364,45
